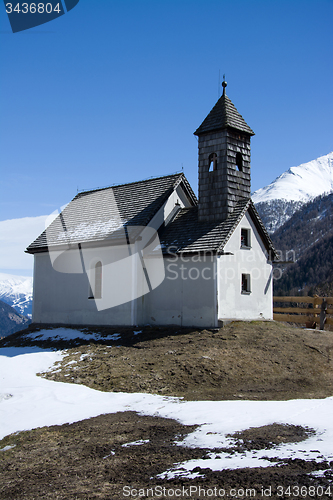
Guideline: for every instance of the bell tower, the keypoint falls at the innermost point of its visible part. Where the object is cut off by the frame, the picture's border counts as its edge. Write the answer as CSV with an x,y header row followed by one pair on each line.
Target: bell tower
x,y
224,160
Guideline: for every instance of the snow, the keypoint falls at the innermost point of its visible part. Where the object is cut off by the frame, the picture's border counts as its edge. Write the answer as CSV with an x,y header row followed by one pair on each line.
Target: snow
x,y
11,284
301,183
16,291
28,401
9,447
91,230
69,334
135,443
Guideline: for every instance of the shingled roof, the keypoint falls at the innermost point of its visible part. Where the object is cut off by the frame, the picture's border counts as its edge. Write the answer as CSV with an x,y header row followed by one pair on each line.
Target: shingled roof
x,y
223,115
185,234
95,215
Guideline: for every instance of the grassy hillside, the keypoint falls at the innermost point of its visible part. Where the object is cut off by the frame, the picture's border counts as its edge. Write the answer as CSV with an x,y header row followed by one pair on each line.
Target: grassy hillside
x,y
244,360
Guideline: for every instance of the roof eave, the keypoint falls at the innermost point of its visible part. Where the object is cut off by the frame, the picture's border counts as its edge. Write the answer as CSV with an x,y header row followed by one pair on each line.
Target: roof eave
x,y
223,127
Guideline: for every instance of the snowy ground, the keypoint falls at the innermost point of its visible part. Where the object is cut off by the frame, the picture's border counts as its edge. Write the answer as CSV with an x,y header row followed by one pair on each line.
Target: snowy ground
x,y
28,401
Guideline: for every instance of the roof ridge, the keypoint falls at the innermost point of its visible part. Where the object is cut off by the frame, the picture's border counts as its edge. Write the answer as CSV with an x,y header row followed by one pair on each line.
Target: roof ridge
x,y
84,192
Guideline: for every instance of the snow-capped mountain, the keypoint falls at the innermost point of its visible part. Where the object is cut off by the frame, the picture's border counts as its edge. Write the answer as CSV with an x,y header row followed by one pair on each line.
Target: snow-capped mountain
x,y
17,292
301,183
10,320
278,201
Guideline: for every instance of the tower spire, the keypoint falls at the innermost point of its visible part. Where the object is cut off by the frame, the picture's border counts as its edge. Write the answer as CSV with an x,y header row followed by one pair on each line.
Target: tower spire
x,y
224,160
224,84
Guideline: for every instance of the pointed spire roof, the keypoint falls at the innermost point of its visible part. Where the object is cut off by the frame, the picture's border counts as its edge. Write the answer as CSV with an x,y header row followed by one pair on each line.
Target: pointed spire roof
x,y
223,115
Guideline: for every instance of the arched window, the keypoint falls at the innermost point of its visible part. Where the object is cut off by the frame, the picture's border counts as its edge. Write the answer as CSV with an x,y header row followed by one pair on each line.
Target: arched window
x,y
212,162
98,280
239,161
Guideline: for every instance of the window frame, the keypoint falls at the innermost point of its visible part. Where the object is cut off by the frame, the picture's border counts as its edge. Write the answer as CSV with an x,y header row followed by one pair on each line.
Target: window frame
x,y
247,243
246,279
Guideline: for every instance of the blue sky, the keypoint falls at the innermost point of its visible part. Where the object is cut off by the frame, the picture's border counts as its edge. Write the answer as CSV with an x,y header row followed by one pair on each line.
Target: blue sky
x,y
112,92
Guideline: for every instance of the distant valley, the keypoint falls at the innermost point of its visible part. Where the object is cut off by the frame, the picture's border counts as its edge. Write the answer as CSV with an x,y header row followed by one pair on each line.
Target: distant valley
x,y
10,320
15,303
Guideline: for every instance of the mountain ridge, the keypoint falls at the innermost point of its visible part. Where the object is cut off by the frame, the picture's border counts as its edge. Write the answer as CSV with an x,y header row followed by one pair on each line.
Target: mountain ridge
x,y
308,236
280,199
300,183
10,320
16,291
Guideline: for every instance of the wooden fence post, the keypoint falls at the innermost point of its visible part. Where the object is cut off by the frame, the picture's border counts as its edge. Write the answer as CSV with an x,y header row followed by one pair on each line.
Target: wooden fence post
x,y
323,314
316,305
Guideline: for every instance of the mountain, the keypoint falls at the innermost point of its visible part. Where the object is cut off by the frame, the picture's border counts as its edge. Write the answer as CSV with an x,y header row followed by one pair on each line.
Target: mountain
x,y
307,237
10,320
16,291
278,201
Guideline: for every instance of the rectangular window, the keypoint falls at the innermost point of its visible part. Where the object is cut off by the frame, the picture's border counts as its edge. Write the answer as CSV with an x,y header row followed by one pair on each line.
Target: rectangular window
x,y
245,238
246,284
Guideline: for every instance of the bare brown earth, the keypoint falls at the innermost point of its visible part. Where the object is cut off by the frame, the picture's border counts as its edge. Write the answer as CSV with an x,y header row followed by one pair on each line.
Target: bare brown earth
x,y
244,360
87,459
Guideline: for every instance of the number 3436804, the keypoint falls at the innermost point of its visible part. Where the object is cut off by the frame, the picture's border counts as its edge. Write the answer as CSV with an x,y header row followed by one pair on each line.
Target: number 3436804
x,y
32,8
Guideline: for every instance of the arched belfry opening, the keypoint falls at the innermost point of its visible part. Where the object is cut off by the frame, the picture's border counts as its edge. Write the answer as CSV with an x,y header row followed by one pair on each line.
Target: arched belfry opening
x,y
239,162
212,161
224,142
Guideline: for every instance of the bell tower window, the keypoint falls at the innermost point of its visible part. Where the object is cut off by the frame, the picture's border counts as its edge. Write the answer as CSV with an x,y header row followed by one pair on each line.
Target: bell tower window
x,y
212,162
239,162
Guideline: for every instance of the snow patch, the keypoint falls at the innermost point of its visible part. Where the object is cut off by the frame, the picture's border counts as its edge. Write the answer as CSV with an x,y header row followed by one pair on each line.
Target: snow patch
x,y
69,334
9,447
37,402
136,443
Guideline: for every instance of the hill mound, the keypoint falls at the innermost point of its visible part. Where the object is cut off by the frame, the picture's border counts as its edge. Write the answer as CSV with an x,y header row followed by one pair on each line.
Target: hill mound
x,y
244,360
124,453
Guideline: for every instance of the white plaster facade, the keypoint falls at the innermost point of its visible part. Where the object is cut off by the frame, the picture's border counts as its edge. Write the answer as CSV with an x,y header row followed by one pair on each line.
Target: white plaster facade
x,y
252,260
198,290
